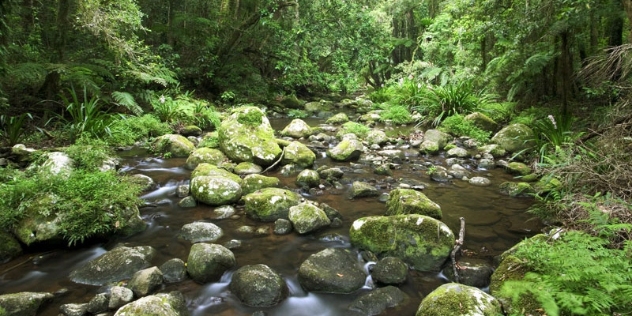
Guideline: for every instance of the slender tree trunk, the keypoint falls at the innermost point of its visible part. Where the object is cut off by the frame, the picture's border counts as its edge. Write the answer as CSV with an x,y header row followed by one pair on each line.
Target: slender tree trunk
x,y
627,6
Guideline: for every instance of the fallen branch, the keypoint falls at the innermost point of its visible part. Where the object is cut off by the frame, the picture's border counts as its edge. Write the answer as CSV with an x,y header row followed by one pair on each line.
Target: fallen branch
x,y
457,246
276,162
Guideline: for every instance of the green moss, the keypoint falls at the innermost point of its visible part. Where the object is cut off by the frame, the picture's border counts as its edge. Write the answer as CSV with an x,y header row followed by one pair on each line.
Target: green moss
x,y
407,201
358,129
250,117
398,114
512,269
270,204
458,299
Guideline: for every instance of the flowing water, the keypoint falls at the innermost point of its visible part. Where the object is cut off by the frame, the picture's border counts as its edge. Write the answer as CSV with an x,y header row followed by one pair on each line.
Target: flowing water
x,y
494,223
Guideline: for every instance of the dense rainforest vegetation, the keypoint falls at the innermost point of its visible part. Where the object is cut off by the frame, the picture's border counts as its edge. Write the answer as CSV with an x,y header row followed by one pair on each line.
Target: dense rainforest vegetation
x,y
113,72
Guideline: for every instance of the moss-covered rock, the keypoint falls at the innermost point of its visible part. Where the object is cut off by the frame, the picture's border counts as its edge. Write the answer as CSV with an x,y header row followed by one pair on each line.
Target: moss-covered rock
x,y
9,247
437,136
482,121
518,168
512,269
346,150
207,262
215,190
170,304
516,189
246,135
206,169
298,154
332,270
270,204
514,138
547,184
254,182
205,155
493,149
113,266
175,145
307,217
378,300
376,137
297,129
338,119
390,270
258,285
191,130
458,299
407,201
421,241
362,189
145,281
23,303
42,223
245,168
201,232
429,147
473,272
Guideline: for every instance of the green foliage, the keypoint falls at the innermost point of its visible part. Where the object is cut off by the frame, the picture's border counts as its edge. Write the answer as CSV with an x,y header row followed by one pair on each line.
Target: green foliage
x,y
457,125
89,154
358,129
251,118
297,113
398,114
86,115
126,100
576,274
127,130
454,98
498,111
13,127
553,132
209,141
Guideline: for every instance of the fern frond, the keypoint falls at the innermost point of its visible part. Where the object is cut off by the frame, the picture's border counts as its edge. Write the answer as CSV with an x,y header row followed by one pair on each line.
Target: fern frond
x,y
27,73
127,100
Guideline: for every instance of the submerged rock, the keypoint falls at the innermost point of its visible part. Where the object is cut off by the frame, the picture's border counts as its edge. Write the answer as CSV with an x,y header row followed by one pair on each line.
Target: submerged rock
x,y
346,150
113,266
23,303
174,270
207,262
258,286
270,204
407,201
171,304
332,270
362,189
378,300
459,299
472,272
307,217
246,135
421,241
308,178
145,281
516,189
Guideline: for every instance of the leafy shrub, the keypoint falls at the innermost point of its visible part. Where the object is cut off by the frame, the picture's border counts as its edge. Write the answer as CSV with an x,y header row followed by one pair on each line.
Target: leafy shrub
x,y
576,274
457,125
129,129
297,113
397,114
86,115
553,132
12,127
89,154
358,129
498,111
453,98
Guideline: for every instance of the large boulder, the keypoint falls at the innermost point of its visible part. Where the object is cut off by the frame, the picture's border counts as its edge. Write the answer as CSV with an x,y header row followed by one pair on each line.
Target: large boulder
x,y
378,300
170,304
23,303
332,270
407,201
376,137
201,232
438,137
205,155
246,135
206,169
338,119
57,163
482,121
258,286
307,217
115,265
270,204
254,182
458,299
298,154
175,145
422,242
213,190
297,129
346,150
207,262
514,138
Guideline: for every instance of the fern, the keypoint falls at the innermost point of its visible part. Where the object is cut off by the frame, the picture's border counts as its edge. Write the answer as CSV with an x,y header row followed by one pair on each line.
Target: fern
x,y
127,101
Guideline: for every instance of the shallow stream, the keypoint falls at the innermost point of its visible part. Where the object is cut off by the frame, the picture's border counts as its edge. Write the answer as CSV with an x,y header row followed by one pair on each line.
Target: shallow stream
x,y
494,223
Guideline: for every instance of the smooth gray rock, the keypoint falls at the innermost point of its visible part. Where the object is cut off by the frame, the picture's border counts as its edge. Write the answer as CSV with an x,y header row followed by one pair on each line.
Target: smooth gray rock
x,y
258,285
282,226
113,266
332,270
98,304
307,217
378,300
390,270
171,304
119,296
363,189
174,270
23,303
201,232
74,309
207,262
145,281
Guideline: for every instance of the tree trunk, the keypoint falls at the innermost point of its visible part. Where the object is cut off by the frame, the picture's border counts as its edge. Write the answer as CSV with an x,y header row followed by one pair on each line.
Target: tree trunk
x,y
627,6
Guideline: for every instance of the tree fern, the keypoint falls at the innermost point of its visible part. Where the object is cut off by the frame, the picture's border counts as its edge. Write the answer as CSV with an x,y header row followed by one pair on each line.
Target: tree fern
x,y
127,101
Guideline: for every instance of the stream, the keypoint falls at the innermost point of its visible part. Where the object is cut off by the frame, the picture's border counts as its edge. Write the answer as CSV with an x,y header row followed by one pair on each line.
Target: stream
x,y
494,223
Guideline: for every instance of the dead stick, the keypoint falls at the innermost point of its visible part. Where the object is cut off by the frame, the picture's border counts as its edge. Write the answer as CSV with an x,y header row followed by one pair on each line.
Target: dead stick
x,y
457,246
276,163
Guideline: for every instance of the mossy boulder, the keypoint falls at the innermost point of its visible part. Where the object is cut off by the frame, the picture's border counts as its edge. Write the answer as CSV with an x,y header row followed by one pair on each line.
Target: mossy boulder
x,y
43,223
145,281
113,266
390,270
297,129
258,285
164,304
298,154
429,147
407,201
308,178
206,169
57,163
9,247
207,262
254,182
515,189
459,299
493,149
191,130
177,146
333,270
246,135
438,137
547,184
482,121
423,242
378,300
270,204
205,155
376,137
215,190
338,119
514,138
362,189
346,150
245,168
518,168
23,303
307,217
